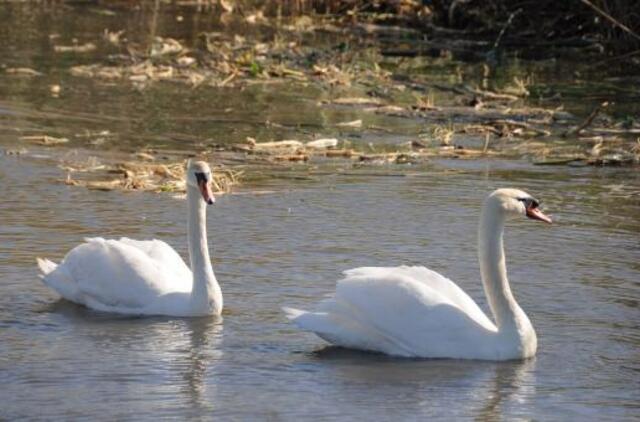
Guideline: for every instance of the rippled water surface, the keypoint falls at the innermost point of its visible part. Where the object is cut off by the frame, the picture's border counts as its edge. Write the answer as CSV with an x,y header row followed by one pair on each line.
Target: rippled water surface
x,y
577,279
285,241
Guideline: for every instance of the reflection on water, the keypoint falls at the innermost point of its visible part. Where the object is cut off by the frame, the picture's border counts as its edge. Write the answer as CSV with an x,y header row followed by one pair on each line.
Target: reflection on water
x,y
122,355
204,348
576,279
485,391
513,383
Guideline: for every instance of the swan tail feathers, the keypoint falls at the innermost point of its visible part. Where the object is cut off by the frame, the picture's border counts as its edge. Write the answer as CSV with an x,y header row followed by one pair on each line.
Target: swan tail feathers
x,y
46,266
310,321
57,278
292,314
334,329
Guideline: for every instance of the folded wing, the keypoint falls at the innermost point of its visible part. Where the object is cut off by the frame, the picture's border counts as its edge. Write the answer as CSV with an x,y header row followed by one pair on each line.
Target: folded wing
x,y
119,273
405,311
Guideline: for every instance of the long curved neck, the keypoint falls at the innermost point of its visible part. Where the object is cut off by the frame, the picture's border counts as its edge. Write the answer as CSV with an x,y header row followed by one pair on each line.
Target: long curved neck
x,y
505,309
206,291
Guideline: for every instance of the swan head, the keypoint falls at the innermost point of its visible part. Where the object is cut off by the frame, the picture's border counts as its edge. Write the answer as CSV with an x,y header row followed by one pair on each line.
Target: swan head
x,y
517,203
199,177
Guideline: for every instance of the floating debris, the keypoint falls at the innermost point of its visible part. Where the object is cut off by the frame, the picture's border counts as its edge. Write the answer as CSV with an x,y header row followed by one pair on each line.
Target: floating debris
x,y
44,140
590,118
114,38
145,156
357,101
291,157
478,121
22,71
340,153
185,61
140,176
55,90
617,159
163,46
16,152
262,146
558,161
322,143
76,48
353,124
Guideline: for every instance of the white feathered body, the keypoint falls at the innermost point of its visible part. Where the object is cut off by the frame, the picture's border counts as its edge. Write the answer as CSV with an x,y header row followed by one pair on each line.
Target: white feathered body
x,y
410,312
124,276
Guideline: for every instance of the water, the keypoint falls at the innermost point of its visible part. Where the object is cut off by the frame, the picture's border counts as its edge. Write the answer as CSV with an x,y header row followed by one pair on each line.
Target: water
x,y
284,242
577,279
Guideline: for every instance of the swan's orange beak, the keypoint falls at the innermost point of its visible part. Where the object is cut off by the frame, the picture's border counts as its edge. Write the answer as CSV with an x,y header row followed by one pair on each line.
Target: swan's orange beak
x,y
534,213
205,191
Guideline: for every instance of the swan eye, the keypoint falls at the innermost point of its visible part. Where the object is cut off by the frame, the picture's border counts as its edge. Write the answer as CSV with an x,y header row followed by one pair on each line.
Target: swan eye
x,y
529,203
201,177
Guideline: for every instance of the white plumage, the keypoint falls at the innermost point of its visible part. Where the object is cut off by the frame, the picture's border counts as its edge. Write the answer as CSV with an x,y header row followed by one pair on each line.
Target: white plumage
x,y
416,312
143,277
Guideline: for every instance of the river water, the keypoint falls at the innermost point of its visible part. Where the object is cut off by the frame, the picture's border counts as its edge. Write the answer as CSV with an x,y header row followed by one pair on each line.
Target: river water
x,y
284,242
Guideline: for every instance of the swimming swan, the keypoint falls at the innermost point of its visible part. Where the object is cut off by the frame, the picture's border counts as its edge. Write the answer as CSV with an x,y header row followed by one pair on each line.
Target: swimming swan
x,y
144,277
416,312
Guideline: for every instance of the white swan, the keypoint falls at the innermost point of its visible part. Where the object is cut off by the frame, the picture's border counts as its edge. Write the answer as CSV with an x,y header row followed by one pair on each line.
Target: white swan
x,y
144,277
416,312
